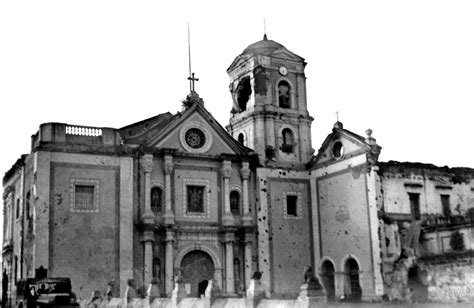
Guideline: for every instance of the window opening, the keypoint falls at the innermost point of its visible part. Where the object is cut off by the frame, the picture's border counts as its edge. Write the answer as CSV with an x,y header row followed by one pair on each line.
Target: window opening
x,y
84,197
337,150
241,139
156,198
244,89
291,205
415,205
284,94
195,199
195,138
17,208
446,206
287,145
235,202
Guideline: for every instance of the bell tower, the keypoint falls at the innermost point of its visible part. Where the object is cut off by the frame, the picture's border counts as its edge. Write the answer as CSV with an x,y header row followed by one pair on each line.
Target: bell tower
x,y
269,112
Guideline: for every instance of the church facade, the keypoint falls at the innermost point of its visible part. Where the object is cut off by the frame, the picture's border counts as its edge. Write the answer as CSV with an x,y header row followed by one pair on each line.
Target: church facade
x,y
180,195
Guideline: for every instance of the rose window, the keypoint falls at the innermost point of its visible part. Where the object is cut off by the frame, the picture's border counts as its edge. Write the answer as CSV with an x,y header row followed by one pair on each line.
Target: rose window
x,y
195,138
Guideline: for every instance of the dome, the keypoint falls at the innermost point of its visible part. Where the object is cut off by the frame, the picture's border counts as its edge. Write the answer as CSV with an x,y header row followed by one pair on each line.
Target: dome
x,y
263,47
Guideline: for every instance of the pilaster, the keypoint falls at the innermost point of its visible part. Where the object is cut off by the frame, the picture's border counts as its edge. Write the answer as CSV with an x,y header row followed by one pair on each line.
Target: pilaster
x,y
226,171
168,169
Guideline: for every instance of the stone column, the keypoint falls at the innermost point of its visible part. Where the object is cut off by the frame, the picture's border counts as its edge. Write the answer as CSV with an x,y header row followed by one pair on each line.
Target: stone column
x,y
226,170
248,258
168,168
229,263
147,240
340,284
169,258
245,175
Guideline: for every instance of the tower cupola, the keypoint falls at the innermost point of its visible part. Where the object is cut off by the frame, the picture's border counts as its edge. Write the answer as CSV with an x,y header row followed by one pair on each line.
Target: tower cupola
x,y
269,111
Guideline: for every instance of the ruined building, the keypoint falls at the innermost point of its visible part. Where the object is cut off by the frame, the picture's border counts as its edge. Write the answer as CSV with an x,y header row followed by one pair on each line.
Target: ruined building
x,y
177,194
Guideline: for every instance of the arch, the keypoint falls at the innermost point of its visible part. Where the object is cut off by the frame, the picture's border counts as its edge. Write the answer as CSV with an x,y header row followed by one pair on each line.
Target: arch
x,y
351,269
209,249
235,199
327,273
156,199
284,94
196,269
288,140
241,138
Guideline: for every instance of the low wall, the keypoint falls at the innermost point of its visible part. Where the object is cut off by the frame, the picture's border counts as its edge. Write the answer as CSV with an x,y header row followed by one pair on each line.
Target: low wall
x,y
450,282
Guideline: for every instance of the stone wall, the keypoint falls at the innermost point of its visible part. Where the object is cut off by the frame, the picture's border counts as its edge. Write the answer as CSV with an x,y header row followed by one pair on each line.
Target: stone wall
x,y
450,281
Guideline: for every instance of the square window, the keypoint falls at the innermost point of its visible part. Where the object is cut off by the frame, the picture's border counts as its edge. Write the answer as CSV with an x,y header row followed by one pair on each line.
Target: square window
x,y
195,196
446,206
84,196
84,199
291,205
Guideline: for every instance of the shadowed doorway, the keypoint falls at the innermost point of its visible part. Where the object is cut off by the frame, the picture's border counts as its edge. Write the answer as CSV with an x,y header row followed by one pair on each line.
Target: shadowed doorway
x,y
196,267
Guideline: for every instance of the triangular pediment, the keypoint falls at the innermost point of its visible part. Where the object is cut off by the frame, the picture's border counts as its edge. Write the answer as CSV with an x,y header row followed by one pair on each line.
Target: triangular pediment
x,y
195,131
287,55
342,144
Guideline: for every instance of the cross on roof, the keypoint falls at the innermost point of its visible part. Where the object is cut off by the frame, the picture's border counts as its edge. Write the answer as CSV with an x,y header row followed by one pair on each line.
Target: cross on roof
x,y
192,79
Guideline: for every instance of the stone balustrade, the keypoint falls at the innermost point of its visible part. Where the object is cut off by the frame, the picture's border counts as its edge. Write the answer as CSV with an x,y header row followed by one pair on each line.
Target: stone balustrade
x,y
50,133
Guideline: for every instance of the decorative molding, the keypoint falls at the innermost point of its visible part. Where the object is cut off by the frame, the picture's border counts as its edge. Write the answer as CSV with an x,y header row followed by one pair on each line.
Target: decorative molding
x,y
342,214
226,169
147,163
207,134
245,171
168,164
72,195
207,195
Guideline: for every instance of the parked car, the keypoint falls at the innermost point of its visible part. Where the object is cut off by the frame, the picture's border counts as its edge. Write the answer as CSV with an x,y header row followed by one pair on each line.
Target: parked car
x,y
47,292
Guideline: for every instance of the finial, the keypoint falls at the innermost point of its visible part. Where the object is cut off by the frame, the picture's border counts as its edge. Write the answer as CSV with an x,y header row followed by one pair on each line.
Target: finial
x,y
337,116
369,140
192,79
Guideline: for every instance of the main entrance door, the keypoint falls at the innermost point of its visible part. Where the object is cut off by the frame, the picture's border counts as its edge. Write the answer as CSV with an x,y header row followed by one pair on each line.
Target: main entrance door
x,y
196,268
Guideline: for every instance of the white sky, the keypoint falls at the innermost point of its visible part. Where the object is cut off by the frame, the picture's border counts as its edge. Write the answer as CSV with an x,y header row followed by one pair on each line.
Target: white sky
x,y
403,68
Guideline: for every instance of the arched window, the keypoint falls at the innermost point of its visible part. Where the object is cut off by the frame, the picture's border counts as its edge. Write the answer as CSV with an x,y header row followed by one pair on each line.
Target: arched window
x,y
288,141
241,139
243,92
284,94
156,197
235,202
327,275
351,269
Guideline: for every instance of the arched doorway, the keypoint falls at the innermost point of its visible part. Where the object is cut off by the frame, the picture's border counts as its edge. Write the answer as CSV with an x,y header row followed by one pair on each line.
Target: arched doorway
x,y
196,268
353,289
327,275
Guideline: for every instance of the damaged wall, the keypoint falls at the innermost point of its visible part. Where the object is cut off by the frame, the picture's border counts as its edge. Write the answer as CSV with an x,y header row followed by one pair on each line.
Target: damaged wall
x,y
84,245
285,243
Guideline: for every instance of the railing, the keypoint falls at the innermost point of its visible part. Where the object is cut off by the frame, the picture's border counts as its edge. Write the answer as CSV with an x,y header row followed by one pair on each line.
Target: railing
x,y
446,221
83,131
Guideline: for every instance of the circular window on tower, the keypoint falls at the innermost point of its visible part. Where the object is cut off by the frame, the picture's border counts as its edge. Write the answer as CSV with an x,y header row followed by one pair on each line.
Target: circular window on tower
x,y
195,138
337,149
